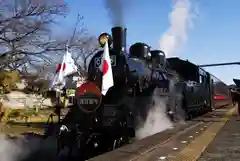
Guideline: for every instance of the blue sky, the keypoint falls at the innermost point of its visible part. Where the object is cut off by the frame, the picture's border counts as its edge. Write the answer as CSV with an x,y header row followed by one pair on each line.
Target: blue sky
x,y
213,39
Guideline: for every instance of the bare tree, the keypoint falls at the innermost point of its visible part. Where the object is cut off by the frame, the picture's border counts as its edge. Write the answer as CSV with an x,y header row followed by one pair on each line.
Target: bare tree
x,y
25,35
83,52
81,44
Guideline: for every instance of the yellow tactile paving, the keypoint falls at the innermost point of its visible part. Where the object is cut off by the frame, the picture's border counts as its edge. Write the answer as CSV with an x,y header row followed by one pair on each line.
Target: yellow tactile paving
x,y
193,151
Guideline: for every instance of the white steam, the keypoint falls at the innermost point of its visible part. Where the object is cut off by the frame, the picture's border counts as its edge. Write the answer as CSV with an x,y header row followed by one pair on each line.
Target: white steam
x,y
157,120
180,20
176,105
27,146
10,150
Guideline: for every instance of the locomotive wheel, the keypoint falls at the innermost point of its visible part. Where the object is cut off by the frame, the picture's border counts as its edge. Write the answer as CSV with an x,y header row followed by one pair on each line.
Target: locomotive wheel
x,y
234,103
188,116
209,108
117,143
123,141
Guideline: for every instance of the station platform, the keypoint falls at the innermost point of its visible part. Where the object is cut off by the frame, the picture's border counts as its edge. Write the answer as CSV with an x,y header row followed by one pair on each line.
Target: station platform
x,y
226,145
212,137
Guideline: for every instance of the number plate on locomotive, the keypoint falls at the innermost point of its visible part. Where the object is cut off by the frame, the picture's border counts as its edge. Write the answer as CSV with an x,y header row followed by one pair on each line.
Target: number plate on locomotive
x,y
97,61
88,97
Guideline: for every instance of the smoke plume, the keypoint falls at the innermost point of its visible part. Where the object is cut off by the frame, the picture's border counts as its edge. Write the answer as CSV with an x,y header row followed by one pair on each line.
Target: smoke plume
x,y
180,20
116,11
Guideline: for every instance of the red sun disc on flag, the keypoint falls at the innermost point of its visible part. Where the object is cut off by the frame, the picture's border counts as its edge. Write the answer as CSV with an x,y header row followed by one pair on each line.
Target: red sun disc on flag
x,y
105,67
88,97
64,66
59,67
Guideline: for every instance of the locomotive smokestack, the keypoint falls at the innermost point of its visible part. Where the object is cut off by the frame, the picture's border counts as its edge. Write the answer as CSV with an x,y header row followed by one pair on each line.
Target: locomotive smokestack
x,y
119,35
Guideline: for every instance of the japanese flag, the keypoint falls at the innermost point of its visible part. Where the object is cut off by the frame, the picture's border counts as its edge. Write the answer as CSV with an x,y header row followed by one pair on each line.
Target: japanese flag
x,y
67,67
107,77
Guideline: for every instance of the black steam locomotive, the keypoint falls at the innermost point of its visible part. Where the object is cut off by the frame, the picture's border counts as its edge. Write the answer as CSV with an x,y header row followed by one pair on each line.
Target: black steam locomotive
x,y
141,78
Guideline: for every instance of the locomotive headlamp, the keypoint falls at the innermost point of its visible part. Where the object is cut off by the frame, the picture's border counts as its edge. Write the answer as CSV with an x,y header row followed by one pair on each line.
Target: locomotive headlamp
x,y
103,38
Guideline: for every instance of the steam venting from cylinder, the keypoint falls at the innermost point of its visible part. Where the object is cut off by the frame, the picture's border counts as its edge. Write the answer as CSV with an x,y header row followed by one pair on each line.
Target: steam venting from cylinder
x,y
119,35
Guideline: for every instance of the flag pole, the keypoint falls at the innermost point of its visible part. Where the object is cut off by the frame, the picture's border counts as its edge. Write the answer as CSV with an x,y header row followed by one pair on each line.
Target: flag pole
x,y
59,103
67,49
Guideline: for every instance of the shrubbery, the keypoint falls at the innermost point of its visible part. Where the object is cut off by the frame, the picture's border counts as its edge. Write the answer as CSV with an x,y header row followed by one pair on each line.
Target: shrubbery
x,y
36,86
8,80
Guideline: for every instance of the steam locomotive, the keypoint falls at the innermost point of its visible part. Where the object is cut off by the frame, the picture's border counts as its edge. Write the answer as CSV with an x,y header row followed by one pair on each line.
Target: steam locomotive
x,y
141,77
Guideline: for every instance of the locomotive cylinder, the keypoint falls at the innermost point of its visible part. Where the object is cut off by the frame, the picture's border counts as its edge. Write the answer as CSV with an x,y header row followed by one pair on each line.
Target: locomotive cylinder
x,y
119,35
